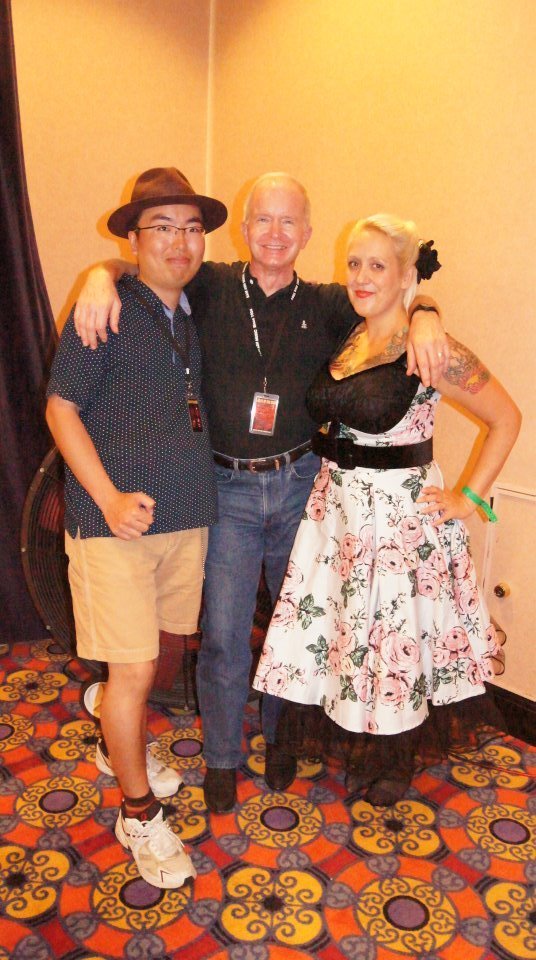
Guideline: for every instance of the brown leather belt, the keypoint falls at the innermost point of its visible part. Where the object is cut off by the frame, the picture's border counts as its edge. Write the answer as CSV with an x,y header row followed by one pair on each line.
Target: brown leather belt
x,y
260,464
348,455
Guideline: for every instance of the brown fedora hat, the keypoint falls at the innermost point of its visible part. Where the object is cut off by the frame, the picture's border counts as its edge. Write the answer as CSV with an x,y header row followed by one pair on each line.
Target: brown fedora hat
x,y
161,186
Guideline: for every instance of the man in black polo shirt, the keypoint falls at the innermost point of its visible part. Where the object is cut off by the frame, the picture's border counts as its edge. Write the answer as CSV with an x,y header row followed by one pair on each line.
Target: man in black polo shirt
x,y
264,333
139,494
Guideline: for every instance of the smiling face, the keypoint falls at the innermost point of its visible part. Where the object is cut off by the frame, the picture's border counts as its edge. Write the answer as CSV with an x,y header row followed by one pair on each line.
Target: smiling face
x,y
374,277
167,262
277,226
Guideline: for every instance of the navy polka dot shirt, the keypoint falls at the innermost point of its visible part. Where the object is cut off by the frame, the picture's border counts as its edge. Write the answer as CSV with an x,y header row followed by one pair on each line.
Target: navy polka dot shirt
x,y
131,394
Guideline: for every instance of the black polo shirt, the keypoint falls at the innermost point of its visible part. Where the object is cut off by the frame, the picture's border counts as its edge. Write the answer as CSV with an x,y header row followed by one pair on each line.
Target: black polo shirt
x,y
131,393
314,322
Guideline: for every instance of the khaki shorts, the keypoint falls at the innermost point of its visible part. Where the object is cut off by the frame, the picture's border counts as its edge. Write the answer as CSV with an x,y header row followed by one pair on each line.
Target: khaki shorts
x,y
125,591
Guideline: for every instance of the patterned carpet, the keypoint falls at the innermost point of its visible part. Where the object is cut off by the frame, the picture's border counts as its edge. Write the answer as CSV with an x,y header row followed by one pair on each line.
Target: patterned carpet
x,y
446,874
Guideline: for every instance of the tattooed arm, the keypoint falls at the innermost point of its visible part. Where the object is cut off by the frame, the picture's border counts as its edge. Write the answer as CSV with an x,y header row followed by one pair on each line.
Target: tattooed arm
x,y
465,369
469,384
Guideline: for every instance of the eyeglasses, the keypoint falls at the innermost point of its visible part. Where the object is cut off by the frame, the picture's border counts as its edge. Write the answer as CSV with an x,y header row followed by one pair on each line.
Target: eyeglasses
x,y
169,231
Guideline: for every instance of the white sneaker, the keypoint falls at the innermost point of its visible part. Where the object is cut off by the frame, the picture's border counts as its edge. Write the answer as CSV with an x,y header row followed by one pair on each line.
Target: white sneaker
x,y
159,853
163,781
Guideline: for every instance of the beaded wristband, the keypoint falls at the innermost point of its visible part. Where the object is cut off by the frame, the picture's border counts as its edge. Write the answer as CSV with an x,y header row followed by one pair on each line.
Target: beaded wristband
x,y
492,517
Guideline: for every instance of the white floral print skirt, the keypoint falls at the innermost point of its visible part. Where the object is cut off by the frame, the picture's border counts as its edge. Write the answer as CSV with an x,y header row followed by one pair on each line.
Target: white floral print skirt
x,y
380,614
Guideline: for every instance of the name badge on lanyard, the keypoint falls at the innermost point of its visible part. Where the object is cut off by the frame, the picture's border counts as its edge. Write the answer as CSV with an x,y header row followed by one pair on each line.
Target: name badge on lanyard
x,y
196,422
263,413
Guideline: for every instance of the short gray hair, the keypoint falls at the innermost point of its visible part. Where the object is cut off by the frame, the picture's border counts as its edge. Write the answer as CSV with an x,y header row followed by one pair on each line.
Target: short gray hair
x,y
278,176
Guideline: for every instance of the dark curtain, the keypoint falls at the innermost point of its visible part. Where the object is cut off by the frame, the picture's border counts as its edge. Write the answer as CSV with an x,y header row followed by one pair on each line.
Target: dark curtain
x,y
27,339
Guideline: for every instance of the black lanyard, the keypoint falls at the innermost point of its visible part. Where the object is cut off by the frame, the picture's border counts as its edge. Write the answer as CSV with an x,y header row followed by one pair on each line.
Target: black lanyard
x,y
183,351
278,332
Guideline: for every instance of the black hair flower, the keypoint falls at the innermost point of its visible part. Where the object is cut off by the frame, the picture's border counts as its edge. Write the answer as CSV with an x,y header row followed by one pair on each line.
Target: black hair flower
x,y
427,262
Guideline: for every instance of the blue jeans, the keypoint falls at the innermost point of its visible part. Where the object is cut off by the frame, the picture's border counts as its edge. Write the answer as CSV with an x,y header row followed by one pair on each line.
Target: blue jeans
x,y
259,514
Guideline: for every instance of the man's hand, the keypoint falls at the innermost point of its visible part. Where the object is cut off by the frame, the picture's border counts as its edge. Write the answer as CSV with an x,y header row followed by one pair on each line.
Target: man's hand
x,y
427,347
98,303
129,515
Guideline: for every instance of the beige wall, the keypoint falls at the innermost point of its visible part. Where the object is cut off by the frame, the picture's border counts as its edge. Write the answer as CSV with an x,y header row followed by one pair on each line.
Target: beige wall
x,y
107,88
420,107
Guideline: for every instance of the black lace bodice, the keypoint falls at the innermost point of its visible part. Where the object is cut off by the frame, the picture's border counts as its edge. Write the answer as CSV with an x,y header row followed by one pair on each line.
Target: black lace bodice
x,y
372,401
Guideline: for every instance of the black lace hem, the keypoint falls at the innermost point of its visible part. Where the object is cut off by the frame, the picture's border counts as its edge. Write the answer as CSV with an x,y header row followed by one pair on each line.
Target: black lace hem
x,y
449,731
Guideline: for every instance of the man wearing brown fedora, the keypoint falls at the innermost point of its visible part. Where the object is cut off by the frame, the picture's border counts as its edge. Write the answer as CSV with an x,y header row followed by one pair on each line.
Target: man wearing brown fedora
x,y
264,334
130,423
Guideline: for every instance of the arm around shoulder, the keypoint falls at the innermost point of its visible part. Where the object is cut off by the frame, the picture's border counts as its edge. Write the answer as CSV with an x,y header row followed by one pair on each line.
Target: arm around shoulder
x,y
428,347
98,302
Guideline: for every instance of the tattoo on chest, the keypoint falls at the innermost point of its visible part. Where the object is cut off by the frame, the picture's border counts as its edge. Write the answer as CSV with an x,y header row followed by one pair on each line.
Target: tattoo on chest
x,y
465,369
355,354
396,346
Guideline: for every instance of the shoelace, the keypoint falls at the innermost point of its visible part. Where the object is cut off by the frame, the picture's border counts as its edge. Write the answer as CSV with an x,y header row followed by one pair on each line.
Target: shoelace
x,y
163,842
154,766
159,835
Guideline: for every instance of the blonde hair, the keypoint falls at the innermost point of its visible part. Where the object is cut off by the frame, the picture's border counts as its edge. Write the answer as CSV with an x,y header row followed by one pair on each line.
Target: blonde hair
x,y
278,176
405,239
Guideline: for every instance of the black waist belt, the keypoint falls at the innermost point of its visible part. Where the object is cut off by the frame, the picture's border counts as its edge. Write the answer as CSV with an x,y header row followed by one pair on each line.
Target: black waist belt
x,y
262,463
347,454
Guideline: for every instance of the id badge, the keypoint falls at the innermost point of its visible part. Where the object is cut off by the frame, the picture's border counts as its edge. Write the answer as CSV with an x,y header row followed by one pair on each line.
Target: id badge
x,y
195,415
263,413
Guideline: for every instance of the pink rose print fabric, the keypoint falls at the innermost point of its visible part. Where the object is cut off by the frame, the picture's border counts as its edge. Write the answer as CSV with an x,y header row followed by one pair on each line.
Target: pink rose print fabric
x,y
379,612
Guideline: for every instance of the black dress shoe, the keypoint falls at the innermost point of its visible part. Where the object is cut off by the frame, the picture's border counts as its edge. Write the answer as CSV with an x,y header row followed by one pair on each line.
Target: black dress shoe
x,y
386,792
280,768
220,789
356,782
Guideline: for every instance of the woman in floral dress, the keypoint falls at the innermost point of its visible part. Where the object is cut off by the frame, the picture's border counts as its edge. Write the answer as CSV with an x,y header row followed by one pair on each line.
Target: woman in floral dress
x,y
380,620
